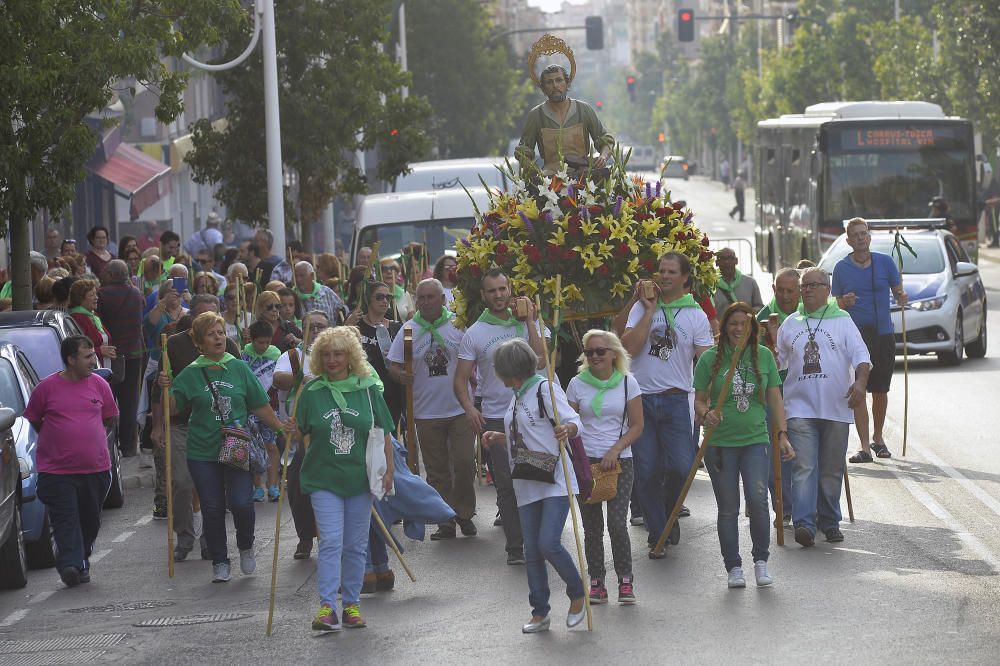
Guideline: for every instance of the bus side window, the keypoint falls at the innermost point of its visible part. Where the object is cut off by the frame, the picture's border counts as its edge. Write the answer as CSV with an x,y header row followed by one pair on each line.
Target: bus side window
x,y
771,154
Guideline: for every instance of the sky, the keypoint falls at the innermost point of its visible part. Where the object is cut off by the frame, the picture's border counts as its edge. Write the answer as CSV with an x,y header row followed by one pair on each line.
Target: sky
x,y
552,5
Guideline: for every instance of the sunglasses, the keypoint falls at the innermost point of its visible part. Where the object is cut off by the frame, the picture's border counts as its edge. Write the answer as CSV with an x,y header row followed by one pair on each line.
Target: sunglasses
x,y
600,351
382,297
273,306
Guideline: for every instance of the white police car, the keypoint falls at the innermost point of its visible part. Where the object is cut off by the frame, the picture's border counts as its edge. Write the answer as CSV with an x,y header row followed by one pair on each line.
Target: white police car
x,y
946,313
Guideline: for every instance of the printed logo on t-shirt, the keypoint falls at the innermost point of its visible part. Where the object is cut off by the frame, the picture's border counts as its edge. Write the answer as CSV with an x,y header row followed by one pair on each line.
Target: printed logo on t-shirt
x,y
662,345
225,402
811,364
341,437
742,390
437,358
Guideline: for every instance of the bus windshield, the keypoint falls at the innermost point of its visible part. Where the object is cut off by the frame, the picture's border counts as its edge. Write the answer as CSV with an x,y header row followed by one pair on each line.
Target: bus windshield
x,y
439,235
893,171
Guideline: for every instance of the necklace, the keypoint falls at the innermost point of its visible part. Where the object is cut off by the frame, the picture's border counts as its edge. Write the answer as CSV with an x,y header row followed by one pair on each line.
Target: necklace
x,y
812,331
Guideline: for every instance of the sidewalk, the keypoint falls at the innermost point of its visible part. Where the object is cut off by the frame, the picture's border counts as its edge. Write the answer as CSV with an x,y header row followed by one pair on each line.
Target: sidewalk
x,y
135,477
990,254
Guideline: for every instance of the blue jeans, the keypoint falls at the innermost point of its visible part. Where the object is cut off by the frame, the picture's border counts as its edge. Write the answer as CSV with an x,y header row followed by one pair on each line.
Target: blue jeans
x,y
820,451
542,524
663,456
74,502
342,523
220,487
377,557
726,464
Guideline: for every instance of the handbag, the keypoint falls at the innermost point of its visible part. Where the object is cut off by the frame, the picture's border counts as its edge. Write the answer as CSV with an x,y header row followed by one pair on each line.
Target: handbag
x,y
238,448
529,465
577,454
376,464
606,483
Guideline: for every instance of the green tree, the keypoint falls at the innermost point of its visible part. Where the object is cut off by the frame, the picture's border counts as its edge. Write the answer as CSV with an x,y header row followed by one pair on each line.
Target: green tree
x,y
339,93
477,96
61,61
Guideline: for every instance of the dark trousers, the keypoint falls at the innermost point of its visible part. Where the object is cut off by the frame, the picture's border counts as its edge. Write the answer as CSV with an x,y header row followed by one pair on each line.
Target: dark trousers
x,y
739,207
127,394
499,466
302,511
220,487
74,502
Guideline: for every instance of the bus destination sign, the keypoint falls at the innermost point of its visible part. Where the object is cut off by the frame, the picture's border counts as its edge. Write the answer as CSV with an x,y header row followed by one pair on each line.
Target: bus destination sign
x,y
867,139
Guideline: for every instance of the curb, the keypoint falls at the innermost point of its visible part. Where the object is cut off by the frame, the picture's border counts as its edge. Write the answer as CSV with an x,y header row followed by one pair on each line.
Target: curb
x,y
134,476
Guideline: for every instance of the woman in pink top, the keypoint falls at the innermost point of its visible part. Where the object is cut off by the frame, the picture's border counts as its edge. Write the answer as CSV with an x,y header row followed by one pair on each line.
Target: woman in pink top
x,y
70,411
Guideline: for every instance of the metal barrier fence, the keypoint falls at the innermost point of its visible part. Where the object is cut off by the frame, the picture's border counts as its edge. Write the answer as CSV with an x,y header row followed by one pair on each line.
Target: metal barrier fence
x,y
743,247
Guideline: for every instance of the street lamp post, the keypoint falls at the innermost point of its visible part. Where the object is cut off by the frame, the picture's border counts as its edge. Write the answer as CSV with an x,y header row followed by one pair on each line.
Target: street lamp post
x,y
264,26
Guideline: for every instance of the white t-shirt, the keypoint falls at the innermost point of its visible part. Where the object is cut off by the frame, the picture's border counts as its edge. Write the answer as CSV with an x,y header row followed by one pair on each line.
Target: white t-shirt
x,y
480,341
433,369
600,434
536,433
667,361
820,374
449,296
284,364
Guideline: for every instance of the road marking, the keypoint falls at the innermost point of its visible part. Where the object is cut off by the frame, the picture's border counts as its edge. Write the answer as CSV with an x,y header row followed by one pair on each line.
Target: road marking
x,y
942,514
858,551
14,617
122,537
967,483
41,596
99,555
144,520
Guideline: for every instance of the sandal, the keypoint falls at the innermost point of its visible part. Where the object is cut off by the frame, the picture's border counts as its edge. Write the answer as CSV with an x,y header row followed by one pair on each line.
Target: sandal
x,y
861,456
881,450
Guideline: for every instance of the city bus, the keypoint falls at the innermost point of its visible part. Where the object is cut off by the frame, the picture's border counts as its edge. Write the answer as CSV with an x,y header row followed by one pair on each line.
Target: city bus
x,y
877,160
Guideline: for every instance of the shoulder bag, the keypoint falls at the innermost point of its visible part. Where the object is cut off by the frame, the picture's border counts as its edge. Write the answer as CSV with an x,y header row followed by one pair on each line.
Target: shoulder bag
x,y
606,483
529,465
238,449
375,461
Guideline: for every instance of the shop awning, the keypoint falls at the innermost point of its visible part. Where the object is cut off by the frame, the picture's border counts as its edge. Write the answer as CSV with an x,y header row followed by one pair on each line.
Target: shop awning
x,y
142,178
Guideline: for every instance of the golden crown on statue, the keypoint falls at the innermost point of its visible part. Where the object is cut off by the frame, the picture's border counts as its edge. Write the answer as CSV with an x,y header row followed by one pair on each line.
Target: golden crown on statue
x,y
548,45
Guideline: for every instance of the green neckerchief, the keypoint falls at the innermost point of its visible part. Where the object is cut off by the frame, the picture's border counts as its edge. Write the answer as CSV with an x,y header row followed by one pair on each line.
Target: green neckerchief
x,y
341,386
433,326
298,323
94,318
685,301
773,308
272,353
490,318
205,362
602,386
828,311
314,294
730,287
528,383
397,293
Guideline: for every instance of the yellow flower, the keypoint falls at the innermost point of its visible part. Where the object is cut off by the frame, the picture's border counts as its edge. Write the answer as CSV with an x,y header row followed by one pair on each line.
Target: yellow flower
x,y
571,293
622,288
588,227
604,250
530,208
618,229
651,227
633,266
559,237
549,286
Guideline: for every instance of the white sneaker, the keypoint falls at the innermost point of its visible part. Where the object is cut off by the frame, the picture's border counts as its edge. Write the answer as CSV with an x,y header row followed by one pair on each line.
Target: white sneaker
x,y
736,578
220,573
196,524
760,572
248,562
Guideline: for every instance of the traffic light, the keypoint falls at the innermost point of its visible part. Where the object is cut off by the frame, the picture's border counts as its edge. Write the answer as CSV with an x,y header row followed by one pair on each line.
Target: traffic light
x,y
599,104
662,137
685,25
595,32
630,84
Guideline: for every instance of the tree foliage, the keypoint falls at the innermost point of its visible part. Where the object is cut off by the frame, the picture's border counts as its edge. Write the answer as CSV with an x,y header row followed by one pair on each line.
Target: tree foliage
x,y
61,62
339,93
477,96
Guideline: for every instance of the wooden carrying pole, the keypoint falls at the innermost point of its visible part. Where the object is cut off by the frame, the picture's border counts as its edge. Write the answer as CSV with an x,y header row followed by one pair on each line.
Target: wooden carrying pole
x,y
411,427
550,362
906,374
392,544
165,399
284,480
779,510
726,386
847,491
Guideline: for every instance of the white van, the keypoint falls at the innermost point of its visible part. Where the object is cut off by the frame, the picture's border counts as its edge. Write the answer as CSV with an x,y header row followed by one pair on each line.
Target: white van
x,y
439,218
452,174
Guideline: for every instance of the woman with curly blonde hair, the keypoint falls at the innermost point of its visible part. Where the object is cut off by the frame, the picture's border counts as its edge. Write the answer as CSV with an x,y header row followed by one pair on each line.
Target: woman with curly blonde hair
x,y
336,412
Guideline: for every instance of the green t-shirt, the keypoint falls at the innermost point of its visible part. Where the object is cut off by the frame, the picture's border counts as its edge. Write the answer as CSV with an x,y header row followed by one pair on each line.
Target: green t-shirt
x,y
743,413
239,393
335,459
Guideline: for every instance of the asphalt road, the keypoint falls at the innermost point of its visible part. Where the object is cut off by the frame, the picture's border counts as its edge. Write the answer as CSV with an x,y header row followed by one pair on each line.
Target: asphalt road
x,y
915,581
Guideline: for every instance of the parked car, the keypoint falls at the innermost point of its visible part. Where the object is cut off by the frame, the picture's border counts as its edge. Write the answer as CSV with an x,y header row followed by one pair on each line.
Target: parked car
x,y
38,335
946,312
674,166
13,557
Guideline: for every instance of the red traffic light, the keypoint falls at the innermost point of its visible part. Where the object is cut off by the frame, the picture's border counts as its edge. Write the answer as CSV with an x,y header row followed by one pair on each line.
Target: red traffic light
x,y
685,25
630,80
685,16
599,104
394,132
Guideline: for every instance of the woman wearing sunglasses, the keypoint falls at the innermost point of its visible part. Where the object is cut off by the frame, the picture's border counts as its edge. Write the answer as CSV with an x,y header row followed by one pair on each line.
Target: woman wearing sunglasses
x,y
608,399
286,333
377,334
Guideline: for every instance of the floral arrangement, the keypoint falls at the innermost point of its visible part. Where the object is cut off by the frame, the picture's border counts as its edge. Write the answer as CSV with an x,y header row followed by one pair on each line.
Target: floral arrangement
x,y
601,238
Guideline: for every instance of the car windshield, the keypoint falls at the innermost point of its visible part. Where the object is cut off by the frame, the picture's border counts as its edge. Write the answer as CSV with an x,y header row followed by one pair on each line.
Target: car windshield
x,y
441,179
40,344
929,259
439,235
10,388
674,170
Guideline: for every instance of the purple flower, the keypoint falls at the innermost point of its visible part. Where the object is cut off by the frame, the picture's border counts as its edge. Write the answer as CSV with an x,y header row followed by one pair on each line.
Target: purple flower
x,y
657,189
466,243
687,218
649,191
547,216
618,206
527,222
585,213
570,191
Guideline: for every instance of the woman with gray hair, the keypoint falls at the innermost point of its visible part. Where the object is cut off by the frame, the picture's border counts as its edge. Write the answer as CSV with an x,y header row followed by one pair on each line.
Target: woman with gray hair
x,y
541,489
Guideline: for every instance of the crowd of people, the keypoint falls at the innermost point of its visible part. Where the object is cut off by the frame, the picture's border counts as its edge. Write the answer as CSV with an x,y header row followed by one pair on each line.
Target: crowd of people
x,y
306,356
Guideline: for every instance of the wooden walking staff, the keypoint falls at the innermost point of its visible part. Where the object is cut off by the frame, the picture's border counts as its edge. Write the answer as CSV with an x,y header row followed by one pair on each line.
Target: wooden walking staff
x,y
550,367
412,460
392,544
847,491
165,399
779,521
906,361
284,478
726,386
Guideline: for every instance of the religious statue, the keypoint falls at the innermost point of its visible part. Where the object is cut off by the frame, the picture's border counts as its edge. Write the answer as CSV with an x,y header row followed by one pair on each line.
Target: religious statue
x,y
562,128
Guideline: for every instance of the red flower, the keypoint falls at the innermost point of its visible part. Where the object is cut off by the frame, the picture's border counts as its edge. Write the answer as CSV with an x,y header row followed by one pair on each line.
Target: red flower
x,y
706,255
648,264
622,250
604,232
553,249
604,271
532,253
595,210
574,225
568,254
476,271
502,249
704,240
